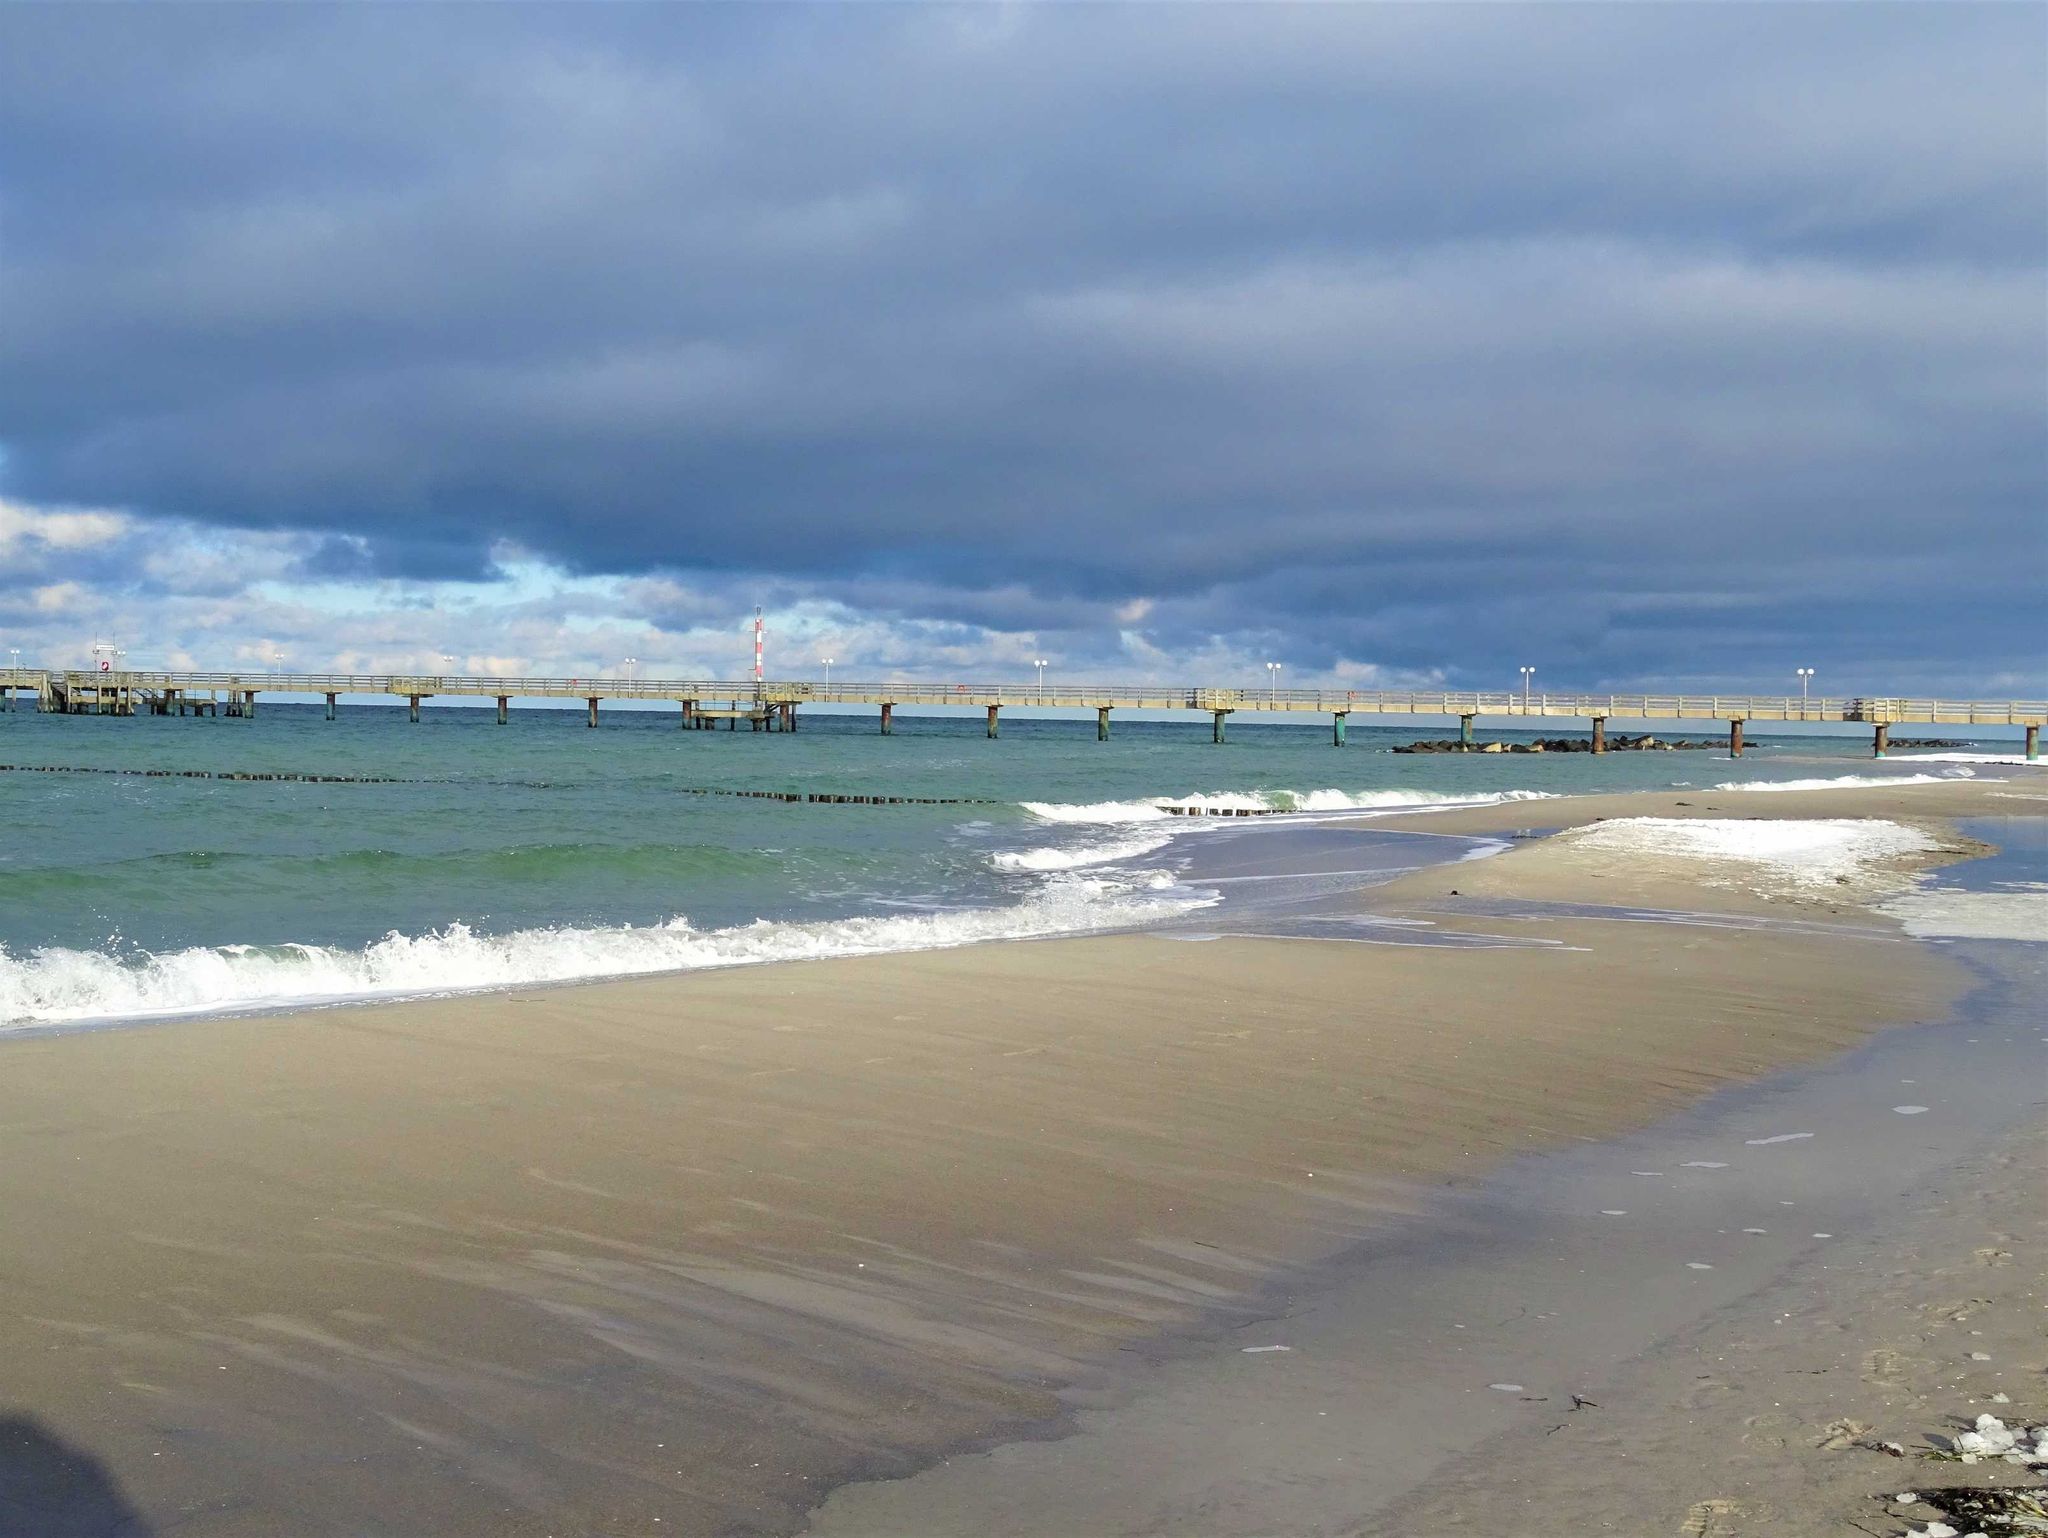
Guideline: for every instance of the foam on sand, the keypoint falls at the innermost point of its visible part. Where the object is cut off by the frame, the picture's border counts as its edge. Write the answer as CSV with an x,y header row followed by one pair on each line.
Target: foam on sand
x,y
2016,910
1795,853
52,985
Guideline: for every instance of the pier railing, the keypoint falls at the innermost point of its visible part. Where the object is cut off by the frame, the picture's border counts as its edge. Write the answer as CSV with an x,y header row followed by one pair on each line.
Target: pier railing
x,y
1879,710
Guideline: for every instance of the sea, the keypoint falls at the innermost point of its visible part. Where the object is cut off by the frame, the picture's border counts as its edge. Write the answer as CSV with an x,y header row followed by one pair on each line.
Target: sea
x,y
160,867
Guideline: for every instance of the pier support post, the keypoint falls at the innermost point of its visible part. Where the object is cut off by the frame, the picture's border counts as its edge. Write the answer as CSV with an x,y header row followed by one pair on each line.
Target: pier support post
x,y
1599,734
888,719
789,716
1465,733
1102,723
504,708
1220,717
689,715
993,710
1337,728
413,708
249,704
1881,742
330,705
2033,744
592,702
1735,739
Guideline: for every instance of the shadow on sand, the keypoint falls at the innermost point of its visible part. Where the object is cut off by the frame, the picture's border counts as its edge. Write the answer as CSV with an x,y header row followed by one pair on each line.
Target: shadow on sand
x,y
50,1489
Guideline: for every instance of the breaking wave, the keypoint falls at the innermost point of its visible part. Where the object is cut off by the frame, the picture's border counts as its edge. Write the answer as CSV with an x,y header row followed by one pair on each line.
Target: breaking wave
x,y
1159,808
53,985
1080,856
1846,782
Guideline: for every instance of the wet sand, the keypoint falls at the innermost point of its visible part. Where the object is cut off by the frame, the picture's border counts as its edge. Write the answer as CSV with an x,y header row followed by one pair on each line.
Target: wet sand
x,y
682,1254
1696,1324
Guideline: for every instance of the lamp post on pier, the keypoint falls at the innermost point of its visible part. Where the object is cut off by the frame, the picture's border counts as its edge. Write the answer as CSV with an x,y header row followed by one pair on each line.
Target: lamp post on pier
x,y
1040,664
1527,674
828,671
632,668
1272,681
1804,675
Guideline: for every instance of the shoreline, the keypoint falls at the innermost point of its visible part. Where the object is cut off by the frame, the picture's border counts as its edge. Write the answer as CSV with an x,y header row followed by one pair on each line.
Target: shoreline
x,y
1487,815
826,1221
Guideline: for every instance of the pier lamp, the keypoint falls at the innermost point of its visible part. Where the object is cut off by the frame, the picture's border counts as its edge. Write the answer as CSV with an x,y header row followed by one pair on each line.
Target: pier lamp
x,y
1527,674
828,671
1272,679
631,664
1040,664
1804,675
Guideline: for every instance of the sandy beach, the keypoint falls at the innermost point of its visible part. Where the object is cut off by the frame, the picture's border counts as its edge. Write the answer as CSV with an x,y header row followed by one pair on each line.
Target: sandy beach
x,y
688,1254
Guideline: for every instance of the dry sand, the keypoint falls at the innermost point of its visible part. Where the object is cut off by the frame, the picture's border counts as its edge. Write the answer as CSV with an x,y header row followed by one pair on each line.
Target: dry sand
x,y
678,1255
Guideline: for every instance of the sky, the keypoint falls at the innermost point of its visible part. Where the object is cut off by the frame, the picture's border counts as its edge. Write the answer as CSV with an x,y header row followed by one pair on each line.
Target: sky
x,y
1404,345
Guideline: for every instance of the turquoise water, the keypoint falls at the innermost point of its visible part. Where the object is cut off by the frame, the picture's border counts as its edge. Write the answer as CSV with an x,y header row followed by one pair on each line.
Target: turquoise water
x,y
542,850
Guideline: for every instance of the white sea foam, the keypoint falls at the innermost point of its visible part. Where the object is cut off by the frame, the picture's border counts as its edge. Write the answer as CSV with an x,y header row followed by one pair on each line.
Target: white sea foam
x,y
1848,781
53,985
1961,758
1157,808
1045,860
2016,910
1794,852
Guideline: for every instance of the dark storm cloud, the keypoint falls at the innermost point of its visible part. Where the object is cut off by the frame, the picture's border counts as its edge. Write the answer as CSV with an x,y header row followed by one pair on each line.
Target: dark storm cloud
x,y
1668,338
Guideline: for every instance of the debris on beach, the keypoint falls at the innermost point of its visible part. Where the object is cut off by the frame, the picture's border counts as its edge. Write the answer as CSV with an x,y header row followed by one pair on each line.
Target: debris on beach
x,y
1991,1438
1981,1510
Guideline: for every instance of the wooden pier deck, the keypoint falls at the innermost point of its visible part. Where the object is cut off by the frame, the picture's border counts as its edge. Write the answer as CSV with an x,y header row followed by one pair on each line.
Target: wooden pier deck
x,y
773,705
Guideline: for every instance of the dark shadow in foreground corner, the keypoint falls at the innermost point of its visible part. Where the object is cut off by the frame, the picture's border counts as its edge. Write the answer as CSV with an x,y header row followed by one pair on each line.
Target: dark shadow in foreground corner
x,y
50,1489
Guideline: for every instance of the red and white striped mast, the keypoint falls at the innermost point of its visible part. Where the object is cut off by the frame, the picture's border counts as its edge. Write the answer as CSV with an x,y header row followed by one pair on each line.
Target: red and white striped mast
x,y
758,675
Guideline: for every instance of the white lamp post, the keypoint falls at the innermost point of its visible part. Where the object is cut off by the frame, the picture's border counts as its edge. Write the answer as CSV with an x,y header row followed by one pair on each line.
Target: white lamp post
x,y
1272,680
1040,664
1527,674
1804,675
828,671
632,668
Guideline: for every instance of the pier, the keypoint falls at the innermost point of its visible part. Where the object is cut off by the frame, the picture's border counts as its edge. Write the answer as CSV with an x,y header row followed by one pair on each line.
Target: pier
x,y
774,706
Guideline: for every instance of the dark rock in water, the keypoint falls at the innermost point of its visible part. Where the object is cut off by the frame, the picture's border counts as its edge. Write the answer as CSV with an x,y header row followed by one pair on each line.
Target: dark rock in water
x,y
1927,742
1617,744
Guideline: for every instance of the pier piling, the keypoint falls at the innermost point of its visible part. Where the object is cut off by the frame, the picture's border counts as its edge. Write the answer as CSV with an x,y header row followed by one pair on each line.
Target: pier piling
x,y
689,712
1735,738
1337,728
2033,744
330,704
412,703
1599,734
1220,717
1881,740
504,708
1102,723
593,712
1465,732
888,719
992,712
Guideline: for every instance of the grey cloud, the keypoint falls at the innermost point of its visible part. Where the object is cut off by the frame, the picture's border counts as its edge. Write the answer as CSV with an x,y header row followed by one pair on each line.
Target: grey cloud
x,y
1661,337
